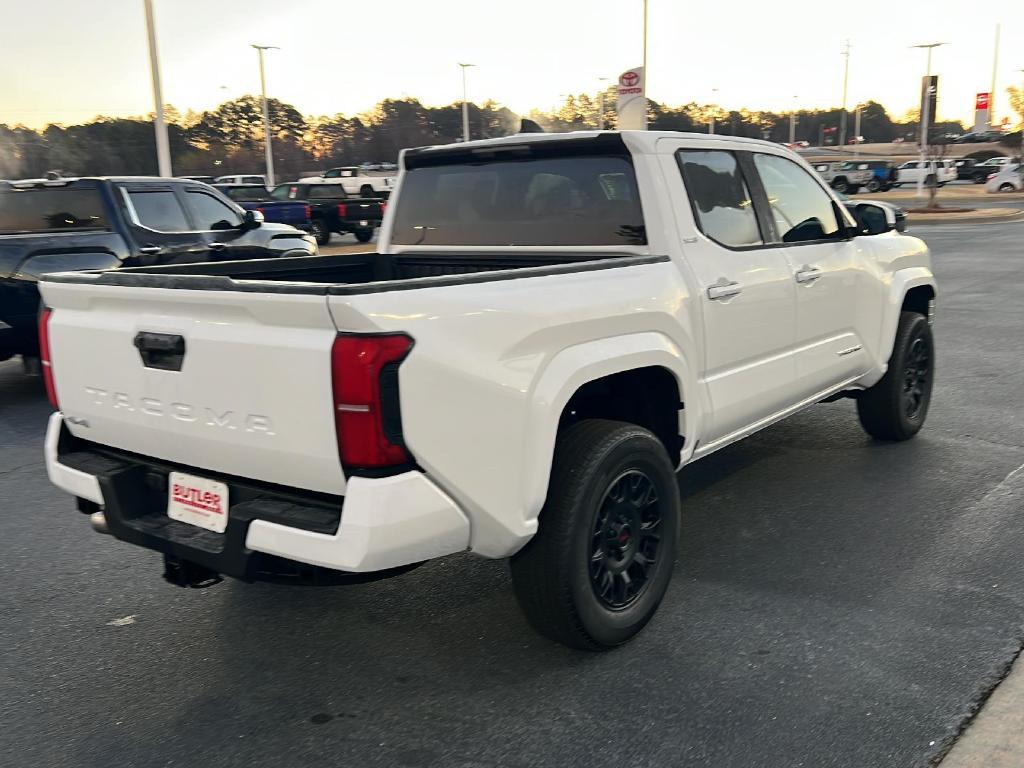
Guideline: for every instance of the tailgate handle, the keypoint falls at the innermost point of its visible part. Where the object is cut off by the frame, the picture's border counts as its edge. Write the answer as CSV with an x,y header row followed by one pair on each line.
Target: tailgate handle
x,y
165,351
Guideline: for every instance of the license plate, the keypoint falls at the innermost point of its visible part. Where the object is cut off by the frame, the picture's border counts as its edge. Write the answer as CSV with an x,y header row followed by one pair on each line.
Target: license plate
x,y
363,223
197,501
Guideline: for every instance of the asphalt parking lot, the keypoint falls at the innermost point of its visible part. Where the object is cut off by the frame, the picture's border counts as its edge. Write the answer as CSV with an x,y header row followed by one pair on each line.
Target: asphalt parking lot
x,y
837,602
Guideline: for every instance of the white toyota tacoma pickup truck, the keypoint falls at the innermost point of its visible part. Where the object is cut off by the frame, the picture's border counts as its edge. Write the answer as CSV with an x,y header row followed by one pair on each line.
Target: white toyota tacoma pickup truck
x,y
553,327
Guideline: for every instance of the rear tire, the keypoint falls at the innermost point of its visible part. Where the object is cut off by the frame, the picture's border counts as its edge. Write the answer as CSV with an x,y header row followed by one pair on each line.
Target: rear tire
x,y
896,407
873,186
363,235
320,231
840,185
1007,187
367,191
601,561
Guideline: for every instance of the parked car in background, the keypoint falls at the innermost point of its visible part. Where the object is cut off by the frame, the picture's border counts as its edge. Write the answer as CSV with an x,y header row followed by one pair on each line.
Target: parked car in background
x,y
241,179
883,173
546,337
355,181
979,137
929,172
203,179
255,197
993,165
333,210
109,223
1009,179
967,169
844,176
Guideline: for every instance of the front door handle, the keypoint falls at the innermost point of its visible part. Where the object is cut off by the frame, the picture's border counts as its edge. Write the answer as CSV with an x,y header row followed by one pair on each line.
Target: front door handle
x,y
723,290
808,274
149,250
217,246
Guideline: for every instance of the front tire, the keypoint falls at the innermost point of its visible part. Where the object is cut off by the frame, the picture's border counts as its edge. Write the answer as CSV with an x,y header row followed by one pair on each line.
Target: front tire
x,y
840,186
895,408
1007,187
601,561
320,231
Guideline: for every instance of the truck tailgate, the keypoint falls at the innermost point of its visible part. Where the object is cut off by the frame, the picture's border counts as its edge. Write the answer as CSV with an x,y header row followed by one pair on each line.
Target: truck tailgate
x,y
253,394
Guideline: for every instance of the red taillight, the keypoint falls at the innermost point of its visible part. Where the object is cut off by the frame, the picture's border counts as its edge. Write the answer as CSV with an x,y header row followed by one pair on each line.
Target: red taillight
x,y
45,358
383,206
261,211
364,378
309,212
342,210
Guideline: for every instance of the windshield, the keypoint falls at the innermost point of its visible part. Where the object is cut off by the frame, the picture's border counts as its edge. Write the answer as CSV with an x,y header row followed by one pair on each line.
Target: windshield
x,y
51,209
546,201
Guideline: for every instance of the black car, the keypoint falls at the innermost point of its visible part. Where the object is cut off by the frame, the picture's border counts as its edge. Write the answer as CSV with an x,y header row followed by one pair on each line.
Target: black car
x,y
334,210
106,223
969,169
979,137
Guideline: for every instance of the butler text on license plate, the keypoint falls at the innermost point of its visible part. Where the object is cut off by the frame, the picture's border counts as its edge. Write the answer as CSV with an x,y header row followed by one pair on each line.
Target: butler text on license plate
x,y
197,501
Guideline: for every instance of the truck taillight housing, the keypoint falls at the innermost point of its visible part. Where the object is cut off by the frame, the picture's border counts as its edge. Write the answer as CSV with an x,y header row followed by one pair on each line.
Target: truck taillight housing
x,y
367,415
342,210
383,207
45,357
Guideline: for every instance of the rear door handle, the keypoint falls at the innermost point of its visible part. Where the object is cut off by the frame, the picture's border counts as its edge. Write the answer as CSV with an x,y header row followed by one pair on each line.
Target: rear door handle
x,y
217,245
150,249
807,274
724,290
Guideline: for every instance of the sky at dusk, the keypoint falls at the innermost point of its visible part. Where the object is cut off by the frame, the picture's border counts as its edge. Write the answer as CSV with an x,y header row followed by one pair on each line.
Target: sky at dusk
x,y
67,61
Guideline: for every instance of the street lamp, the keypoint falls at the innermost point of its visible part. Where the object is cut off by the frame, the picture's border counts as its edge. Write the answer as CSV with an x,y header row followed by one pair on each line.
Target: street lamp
x,y
163,149
714,98
925,108
465,106
846,80
266,113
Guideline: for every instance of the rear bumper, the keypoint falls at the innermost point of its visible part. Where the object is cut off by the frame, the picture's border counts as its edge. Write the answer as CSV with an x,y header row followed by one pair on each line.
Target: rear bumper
x,y
380,523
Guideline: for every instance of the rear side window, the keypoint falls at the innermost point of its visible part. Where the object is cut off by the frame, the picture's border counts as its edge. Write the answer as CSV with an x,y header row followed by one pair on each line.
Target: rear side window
x,y
159,210
576,200
326,192
51,209
720,197
802,210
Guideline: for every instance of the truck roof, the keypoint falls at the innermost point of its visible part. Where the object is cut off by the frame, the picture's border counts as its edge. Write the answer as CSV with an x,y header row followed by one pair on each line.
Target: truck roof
x,y
639,142
115,179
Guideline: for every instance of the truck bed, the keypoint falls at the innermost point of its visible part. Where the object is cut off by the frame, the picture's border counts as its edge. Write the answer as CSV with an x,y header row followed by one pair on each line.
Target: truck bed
x,y
357,273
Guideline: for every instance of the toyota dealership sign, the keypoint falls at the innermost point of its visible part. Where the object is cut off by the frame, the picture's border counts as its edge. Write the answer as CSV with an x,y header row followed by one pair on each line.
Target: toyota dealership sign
x,y
632,102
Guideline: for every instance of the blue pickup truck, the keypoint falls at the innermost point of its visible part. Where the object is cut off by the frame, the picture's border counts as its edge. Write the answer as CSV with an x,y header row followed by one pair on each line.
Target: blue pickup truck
x,y
256,197
104,223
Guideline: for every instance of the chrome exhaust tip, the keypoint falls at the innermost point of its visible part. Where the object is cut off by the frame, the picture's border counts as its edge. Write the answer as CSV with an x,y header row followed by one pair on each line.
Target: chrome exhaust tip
x,y
99,522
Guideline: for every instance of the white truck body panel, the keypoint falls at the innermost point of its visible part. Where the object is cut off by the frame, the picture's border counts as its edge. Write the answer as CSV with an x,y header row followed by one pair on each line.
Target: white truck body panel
x,y
494,361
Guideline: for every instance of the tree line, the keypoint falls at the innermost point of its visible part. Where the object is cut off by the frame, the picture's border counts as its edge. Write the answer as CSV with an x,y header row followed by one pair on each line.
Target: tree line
x,y
229,139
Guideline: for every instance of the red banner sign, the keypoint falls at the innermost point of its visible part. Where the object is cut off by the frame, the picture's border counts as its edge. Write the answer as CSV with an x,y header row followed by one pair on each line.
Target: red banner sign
x,y
981,101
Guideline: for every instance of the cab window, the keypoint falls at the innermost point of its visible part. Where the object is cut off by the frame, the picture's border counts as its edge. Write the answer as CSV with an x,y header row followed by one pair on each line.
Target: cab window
x,y
210,213
720,197
802,210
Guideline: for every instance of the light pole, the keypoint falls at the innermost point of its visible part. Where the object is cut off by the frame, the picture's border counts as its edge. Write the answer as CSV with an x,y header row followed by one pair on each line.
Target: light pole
x,y
266,113
465,105
792,121
600,103
846,80
714,106
925,109
856,131
163,149
992,93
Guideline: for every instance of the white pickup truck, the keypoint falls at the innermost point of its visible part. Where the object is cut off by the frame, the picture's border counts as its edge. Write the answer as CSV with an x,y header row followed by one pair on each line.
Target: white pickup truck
x,y
554,325
355,181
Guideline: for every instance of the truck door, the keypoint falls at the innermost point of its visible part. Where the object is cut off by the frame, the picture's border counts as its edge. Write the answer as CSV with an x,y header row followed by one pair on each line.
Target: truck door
x,y
220,227
746,291
838,296
159,227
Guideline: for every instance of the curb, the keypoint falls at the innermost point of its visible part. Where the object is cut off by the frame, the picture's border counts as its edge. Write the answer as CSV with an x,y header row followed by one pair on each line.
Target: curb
x,y
955,218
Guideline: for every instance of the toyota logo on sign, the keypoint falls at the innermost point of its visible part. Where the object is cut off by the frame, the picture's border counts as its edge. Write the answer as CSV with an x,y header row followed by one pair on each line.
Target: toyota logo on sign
x,y
629,79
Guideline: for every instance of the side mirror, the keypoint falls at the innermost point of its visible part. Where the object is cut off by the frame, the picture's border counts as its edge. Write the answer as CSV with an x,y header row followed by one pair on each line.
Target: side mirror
x,y
252,219
875,219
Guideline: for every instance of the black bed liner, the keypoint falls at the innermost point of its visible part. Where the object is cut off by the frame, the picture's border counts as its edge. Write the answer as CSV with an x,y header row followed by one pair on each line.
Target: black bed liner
x,y
356,273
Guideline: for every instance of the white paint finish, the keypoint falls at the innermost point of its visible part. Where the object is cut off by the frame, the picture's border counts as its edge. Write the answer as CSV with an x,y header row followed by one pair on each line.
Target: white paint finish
x,y
385,523
253,398
493,365
74,481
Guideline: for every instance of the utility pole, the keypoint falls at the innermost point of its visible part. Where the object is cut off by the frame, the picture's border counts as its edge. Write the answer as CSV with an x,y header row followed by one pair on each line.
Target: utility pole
x,y
163,147
846,80
856,131
465,105
600,103
714,106
267,149
792,121
992,92
925,109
